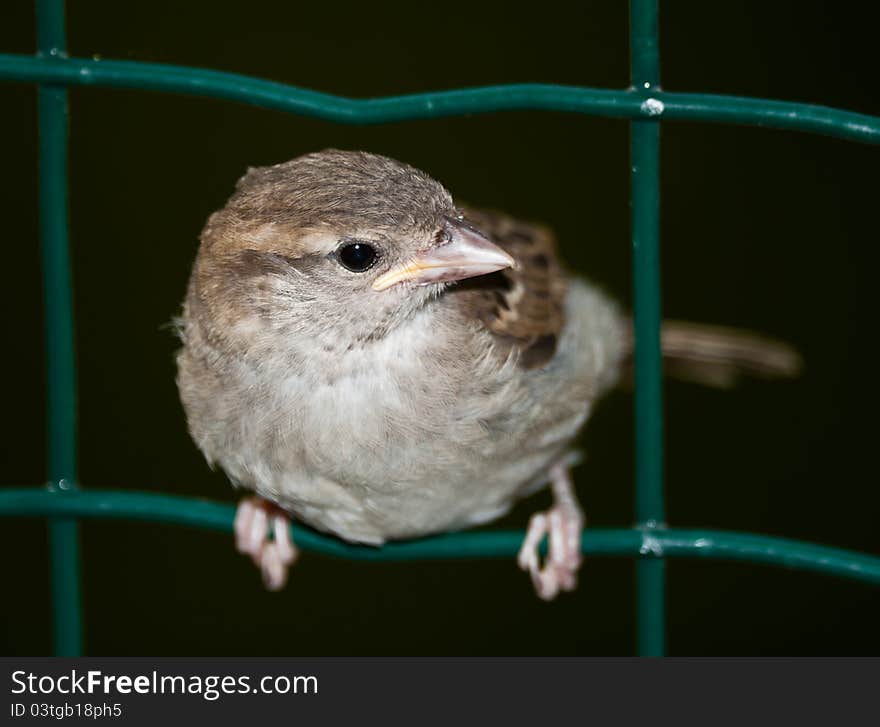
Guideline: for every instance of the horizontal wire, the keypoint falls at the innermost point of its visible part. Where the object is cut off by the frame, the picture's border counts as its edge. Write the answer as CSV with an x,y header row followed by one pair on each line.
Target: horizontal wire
x,y
630,104
654,543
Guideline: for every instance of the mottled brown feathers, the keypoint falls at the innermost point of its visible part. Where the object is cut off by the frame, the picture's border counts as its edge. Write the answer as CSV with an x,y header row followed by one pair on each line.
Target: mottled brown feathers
x,y
523,307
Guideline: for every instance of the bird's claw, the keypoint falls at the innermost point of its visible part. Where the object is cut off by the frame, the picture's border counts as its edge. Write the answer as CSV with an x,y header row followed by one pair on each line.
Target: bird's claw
x,y
254,520
562,525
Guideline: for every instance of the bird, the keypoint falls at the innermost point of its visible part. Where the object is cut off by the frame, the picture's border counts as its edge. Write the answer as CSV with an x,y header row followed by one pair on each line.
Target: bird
x,y
369,357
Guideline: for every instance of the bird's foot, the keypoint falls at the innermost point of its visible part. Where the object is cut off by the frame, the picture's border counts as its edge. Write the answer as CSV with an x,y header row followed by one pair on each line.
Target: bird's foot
x,y
255,519
562,524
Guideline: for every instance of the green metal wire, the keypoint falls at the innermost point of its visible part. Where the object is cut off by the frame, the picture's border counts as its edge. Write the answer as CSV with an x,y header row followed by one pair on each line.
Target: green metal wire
x,y
656,544
64,569
645,182
434,105
644,103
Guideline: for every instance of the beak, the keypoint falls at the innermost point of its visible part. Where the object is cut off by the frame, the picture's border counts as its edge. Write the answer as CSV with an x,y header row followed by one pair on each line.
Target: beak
x,y
464,254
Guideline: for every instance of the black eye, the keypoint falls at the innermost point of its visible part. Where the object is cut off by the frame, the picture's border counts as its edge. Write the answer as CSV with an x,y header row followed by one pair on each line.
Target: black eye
x,y
357,256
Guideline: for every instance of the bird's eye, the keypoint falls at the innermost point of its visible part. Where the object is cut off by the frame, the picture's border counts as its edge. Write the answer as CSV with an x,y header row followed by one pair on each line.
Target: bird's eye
x,y
357,256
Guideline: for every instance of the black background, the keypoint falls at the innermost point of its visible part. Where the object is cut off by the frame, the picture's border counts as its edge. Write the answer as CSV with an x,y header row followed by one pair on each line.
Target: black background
x,y
766,229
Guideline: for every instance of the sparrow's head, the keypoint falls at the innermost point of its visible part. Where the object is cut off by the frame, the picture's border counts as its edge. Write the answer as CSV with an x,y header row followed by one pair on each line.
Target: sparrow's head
x,y
340,238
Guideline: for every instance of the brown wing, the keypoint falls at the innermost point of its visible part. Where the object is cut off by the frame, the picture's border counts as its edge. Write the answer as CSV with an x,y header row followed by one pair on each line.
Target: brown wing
x,y
524,306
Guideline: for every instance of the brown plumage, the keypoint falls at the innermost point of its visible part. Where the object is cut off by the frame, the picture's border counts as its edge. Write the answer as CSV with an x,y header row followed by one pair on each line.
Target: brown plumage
x,y
522,306
718,356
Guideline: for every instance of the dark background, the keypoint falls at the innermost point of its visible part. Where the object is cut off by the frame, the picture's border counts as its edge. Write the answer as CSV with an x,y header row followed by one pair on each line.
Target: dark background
x,y
765,229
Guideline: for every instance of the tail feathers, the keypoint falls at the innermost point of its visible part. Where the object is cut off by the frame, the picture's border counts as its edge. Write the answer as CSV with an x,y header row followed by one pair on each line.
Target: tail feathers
x,y
718,356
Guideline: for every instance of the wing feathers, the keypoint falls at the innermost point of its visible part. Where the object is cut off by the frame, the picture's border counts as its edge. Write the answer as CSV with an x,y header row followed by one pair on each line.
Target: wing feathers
x,y
522,307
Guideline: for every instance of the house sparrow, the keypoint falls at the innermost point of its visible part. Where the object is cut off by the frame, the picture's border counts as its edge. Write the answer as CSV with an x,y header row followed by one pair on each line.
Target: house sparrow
x,y
382,363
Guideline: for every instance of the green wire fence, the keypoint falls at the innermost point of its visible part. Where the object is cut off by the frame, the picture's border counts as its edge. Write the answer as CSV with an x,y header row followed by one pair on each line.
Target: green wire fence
x,y
644,104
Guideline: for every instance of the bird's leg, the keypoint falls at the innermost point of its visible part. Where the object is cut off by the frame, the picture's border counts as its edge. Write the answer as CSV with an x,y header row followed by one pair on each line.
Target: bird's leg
x,y
562,524
254,520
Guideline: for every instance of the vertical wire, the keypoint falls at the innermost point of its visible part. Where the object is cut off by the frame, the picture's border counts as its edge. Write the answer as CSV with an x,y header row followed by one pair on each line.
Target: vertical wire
x,y
64,571
645,181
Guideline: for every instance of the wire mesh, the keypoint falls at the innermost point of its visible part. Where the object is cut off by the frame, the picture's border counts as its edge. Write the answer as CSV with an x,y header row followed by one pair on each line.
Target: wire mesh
x,y
644,104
